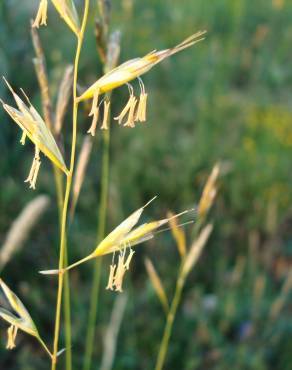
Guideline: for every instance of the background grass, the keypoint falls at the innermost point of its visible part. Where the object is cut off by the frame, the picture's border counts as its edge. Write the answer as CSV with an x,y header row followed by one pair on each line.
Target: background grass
x,y
228,99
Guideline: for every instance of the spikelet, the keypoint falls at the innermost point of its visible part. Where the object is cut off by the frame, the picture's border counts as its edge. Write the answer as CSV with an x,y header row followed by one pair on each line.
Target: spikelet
x,y
67,11
19,318
110,336
122,237
157,284
21,228
134,68
196,249
41,72
64,95
31,123
178,235
209,192
80,171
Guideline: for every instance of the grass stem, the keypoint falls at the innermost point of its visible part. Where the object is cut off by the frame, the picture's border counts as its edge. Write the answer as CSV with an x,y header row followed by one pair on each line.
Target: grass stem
x,y
68,188
102,213
169,323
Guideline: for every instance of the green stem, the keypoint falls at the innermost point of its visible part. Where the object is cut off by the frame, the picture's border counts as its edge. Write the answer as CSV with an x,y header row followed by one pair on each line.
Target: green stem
x,y
67,308
68,189
169,323
67,314
102,213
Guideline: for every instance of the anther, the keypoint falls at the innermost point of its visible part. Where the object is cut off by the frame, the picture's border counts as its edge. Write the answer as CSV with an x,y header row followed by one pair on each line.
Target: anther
x,y
106,107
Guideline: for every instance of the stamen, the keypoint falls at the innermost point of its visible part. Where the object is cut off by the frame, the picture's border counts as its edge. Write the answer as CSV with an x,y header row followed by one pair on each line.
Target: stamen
x,y
111,277
33,173
131,117
94,103
92,129
130,256
118,280
141,110
106,106
23,137
11,336
127,107
41,17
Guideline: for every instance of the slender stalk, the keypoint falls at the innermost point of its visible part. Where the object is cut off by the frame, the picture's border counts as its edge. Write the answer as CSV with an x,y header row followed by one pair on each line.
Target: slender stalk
x,y
67,308
102,213
44,346
40,67
67,314
169,322
68,188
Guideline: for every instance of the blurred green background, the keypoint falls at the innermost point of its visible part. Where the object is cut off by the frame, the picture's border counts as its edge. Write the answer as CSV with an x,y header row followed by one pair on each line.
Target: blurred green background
x,y
227,98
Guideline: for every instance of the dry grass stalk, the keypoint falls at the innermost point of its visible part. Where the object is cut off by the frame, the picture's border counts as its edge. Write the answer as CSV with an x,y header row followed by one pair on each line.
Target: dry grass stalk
x,y
157,284
209,192
41,72
280,301
63,98
21,228
80,171
112,331
178,234
196,249
258,292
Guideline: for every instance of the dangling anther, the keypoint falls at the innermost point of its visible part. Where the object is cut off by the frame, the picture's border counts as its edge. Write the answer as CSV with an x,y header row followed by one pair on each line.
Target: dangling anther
x,y
33,173
94,103
131,116
41,17
11,336
110,284
118,280
95,113
129,258
132,100
141,110
23,137
106,107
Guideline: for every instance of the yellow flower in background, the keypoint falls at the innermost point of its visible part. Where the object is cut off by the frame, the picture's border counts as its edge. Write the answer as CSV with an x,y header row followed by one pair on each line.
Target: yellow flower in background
x,y
128,71
34,127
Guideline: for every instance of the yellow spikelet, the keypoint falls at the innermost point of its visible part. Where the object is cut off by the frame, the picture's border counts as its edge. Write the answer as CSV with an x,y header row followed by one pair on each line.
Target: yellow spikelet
x,y
157,284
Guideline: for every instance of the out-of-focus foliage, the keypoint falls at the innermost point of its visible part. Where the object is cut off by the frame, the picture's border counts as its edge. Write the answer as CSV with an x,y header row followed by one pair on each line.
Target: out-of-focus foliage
x,y
229,99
